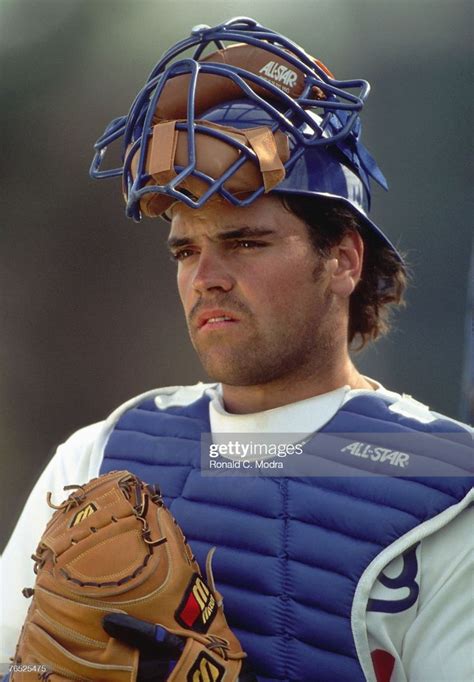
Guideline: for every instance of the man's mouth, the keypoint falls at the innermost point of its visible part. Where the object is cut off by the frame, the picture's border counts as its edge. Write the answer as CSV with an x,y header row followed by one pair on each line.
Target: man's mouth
x,y
215,319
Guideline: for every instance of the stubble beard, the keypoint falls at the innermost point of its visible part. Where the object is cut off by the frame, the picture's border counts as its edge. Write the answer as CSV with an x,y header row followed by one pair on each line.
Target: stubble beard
x,y
290,353
293,350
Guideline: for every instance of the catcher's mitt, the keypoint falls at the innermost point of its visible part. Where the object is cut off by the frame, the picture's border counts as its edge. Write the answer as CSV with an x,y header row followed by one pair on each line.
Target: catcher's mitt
x,y
113,547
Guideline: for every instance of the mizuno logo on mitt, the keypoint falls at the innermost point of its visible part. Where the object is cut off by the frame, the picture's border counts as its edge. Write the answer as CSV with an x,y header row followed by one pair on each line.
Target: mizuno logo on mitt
x,y
83,514
205,669
198,607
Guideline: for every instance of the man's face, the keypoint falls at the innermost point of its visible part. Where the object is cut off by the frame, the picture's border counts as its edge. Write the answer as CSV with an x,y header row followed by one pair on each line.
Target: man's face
x,y
255,294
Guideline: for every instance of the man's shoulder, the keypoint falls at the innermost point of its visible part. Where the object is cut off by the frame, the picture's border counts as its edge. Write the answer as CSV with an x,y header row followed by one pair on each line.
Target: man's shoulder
x,y
87,443
163,398
408,407
404,409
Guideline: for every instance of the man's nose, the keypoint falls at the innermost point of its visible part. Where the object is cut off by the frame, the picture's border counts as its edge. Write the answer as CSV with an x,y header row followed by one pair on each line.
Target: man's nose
x,y
212,273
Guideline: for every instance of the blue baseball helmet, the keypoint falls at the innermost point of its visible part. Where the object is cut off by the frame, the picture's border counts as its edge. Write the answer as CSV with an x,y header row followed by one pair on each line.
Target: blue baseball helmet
x,y
239,110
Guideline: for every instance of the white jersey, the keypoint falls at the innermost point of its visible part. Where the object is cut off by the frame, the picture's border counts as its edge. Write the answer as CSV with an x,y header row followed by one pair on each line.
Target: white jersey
x,y
432,640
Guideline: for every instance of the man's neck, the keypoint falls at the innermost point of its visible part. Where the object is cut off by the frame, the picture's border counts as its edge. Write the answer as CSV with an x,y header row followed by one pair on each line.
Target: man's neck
x,y
287,390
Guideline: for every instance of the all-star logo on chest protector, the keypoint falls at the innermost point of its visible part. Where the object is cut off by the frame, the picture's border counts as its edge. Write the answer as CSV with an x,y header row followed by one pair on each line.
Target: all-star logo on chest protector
x,y
198,606
280,74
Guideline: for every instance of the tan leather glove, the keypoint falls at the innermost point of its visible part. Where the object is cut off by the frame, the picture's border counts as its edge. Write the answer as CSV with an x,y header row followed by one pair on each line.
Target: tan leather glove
x,y
113,547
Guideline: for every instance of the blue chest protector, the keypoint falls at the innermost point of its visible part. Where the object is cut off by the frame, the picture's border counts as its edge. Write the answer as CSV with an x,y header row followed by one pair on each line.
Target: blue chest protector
x,y
291,551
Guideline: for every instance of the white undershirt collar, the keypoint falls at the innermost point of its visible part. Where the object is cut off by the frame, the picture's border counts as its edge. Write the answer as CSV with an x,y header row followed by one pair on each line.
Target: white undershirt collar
x,y
302,417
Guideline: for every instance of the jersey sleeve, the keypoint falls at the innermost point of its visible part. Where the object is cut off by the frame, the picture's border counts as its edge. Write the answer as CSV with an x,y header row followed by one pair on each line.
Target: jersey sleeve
x,y
74,462
439,644
420,620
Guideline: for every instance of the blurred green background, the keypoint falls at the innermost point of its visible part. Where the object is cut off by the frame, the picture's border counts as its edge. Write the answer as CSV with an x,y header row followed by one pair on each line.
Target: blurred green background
x,y
89,312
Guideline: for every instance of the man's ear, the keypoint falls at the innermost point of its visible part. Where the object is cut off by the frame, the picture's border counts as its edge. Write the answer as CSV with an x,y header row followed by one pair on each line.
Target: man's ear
x,y
345,264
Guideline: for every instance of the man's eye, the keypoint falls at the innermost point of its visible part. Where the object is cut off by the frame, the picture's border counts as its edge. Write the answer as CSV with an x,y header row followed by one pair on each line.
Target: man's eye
x,y
182,254
247,244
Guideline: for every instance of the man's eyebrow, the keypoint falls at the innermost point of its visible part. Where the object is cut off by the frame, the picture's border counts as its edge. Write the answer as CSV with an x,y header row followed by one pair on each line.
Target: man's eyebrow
x,y
237,233
176,242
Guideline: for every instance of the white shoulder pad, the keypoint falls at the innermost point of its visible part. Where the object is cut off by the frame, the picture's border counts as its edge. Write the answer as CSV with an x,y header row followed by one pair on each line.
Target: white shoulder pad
x,y
407,406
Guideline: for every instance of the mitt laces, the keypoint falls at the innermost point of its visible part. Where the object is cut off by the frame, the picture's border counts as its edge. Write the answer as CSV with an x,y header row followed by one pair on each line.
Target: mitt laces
x,y
222,647
130,487
74,500
39,558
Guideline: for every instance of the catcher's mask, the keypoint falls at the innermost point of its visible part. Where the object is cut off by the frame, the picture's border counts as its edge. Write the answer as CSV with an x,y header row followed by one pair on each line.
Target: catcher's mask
x,y
257,115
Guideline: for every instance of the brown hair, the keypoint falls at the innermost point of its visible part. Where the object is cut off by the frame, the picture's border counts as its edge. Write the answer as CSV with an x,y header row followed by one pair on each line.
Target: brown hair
x,y
383,278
